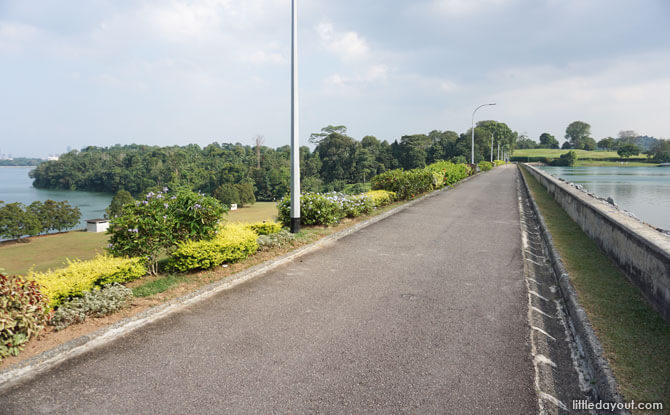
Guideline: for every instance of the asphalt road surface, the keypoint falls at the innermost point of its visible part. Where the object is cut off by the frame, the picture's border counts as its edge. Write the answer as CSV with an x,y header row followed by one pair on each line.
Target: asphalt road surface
x,y
422,312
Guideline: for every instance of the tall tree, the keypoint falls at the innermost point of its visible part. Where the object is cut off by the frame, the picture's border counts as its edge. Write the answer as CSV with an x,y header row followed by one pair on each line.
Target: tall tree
x,y
578,133
548,141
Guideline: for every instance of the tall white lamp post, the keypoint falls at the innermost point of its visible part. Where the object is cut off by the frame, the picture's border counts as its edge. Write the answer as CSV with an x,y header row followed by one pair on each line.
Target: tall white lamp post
x,y
295,142
472,153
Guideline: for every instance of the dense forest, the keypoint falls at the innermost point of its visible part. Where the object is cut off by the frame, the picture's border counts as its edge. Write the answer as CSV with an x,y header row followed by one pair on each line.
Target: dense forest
x,y
336,160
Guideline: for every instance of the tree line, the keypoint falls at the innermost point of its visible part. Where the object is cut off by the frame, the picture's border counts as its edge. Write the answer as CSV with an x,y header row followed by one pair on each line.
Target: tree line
x,y
226,169
627,144
18,220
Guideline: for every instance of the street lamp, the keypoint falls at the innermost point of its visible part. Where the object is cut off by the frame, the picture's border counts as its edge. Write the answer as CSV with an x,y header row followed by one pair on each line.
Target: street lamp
x,y
492,147
472,154
295,142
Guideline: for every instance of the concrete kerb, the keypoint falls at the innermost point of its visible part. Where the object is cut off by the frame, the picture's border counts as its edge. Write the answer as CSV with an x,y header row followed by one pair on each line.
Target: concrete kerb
x,y
605,387
29,368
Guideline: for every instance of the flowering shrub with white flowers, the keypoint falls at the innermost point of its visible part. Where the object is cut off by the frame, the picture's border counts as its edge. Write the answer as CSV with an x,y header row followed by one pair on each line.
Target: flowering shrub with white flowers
x,y
154,225
325,208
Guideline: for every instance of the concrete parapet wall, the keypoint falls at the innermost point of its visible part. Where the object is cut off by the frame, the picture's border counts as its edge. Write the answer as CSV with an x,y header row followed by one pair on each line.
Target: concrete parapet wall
x,y
641,251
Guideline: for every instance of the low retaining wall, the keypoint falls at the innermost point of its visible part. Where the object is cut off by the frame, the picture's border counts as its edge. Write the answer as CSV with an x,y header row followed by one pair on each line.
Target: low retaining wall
x,y
641,251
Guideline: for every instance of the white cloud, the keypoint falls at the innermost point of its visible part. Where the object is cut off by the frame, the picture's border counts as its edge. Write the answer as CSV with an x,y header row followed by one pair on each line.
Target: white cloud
x,y
14,36
460,8
347,45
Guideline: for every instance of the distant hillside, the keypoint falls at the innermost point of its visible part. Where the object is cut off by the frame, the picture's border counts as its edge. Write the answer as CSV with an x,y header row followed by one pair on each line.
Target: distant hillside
x,y
21,161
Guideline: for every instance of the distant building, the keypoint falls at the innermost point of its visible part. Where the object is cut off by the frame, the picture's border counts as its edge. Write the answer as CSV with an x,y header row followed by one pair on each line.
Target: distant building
x,y
52,158
97,225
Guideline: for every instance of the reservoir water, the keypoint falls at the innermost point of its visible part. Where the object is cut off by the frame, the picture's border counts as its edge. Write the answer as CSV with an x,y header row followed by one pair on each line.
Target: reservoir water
x,y
643,191
16,186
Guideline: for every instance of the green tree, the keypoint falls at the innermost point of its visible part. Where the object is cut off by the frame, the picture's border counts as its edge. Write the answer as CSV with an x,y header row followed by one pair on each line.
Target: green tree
x,y
661,151
578,133
66,216
628,150
228,194
41,212
525,142
17,221
608,144
548,141
122,197
246,192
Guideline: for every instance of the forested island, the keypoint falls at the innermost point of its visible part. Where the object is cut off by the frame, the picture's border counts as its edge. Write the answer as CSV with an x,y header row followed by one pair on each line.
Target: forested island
x,y
336,160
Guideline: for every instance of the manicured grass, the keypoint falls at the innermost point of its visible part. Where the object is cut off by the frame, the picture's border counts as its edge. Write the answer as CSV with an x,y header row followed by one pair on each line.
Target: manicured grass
x,y
608,163
257,212
555,153
636,340
51,251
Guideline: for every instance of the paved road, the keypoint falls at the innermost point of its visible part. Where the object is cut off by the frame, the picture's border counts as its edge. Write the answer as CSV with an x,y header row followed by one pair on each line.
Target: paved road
x,y
423,312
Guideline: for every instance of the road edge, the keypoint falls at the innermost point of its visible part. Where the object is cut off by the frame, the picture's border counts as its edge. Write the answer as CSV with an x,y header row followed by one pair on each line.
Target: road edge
x,y
605,386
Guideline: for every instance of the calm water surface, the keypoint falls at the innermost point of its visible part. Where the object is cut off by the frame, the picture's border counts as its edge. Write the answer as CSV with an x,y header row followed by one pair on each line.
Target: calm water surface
x,y
16,186
644,191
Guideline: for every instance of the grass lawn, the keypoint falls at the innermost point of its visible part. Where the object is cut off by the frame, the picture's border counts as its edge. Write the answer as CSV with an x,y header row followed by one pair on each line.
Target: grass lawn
x,y
555,153
51,251
636,340
257,212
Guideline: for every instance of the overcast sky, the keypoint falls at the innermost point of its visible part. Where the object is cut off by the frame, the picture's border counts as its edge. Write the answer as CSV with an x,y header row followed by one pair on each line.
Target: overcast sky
x,y
101,72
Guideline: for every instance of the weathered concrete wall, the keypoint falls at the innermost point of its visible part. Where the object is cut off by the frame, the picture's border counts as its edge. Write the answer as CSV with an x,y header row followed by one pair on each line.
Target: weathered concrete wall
x,y
641,251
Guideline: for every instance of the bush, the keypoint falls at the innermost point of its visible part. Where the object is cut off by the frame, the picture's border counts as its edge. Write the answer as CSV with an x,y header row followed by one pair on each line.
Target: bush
x,y
498,162
228,194
485,165
23,313
315,209
96,303
265,228
358,205
406,184
451,172
115,208
381,198
148,228
566,159
234,242
281,238
80,277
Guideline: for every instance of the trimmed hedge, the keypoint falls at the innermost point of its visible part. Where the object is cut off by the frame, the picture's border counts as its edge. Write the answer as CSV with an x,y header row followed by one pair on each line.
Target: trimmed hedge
x,y
80,277
381,198
406,184
233,242
23,313
265,228
485,165
498,162
450,172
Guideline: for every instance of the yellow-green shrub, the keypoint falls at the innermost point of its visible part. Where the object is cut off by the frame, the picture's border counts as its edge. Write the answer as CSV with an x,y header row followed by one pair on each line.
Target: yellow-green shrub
x,y
232,243
82,276
265,228
381,197
498,162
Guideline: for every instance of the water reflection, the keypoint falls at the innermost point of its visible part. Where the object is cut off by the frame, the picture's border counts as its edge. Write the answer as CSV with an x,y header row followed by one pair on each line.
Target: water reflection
x,y
644,191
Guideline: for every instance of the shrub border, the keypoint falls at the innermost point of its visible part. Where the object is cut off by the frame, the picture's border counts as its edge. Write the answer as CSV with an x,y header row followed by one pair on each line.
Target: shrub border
x,y
32,367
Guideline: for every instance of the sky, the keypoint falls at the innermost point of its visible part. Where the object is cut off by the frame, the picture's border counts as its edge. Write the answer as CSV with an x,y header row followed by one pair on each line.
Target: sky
x,y
76,73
